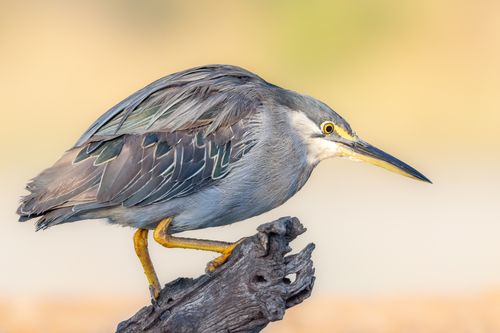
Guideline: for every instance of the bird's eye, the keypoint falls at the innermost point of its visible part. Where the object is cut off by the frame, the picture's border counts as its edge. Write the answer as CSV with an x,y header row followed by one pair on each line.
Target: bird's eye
x,y
328,127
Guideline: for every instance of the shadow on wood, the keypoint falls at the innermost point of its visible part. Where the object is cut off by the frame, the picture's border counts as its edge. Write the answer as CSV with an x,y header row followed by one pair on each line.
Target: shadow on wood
x,y
255,287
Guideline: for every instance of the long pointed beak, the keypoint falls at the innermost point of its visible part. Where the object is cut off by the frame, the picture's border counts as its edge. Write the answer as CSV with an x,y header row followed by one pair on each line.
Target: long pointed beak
x,y
363,151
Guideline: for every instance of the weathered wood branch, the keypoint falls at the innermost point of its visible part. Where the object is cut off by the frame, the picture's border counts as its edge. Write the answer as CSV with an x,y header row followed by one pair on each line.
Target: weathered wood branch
x,y
255,287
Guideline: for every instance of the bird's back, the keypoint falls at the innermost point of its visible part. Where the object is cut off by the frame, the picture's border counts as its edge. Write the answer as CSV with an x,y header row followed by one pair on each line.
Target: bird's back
x,y
168,140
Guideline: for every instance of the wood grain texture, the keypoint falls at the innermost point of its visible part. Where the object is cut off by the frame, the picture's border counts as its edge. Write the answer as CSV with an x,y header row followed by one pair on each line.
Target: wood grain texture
x,y
255,287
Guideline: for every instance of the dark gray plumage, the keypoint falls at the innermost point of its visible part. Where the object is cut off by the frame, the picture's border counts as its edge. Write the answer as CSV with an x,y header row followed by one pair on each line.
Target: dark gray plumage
x,y
210,146
173,137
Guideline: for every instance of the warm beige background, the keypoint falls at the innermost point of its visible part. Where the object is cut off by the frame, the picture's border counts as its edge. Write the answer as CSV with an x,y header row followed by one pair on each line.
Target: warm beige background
x,y
420,79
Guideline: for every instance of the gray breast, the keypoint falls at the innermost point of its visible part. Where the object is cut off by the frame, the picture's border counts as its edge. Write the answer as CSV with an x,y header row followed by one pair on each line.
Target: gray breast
x,y
274,170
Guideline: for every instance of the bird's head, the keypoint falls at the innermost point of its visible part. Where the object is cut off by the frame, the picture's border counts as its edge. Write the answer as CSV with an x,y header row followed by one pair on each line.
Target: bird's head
x,y
327,135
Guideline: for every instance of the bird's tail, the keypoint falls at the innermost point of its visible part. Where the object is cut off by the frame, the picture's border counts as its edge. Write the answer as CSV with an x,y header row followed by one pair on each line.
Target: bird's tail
x,y
55,191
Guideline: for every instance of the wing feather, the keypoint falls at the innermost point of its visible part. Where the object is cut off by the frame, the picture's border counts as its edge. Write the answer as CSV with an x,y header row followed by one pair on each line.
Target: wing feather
x,y
213,96
168,140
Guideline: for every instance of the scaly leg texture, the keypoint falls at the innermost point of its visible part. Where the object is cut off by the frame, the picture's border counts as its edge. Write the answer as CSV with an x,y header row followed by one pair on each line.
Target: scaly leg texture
x,y
162,237
141,249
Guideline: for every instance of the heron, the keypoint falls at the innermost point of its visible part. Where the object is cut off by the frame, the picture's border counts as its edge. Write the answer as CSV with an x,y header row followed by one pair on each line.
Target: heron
x,y
204,147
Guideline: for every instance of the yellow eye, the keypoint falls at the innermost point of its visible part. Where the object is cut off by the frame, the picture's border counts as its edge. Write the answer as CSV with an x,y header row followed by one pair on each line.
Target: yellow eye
x,y
328,127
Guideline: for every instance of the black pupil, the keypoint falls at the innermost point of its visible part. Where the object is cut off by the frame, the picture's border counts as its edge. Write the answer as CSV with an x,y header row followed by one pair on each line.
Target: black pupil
x,y
328,128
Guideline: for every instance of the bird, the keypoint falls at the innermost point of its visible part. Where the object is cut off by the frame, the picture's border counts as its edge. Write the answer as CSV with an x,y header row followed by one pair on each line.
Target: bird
x,y
204,147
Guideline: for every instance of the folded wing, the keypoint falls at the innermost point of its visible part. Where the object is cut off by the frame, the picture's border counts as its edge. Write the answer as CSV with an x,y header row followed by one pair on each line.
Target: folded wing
x,y
168,140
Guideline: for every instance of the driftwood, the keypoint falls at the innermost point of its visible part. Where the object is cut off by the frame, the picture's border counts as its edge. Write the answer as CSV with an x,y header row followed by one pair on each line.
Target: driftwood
x,y
255,287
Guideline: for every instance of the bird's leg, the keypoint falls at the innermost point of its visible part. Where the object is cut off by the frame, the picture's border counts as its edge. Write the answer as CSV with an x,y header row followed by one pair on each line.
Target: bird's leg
x,y
162,237
141,249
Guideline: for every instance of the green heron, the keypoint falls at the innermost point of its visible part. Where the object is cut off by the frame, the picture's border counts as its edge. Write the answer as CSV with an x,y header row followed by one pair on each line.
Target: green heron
x,y
205,147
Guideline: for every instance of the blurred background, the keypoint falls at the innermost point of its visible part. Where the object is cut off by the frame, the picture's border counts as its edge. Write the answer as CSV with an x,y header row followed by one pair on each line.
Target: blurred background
x,y
419,79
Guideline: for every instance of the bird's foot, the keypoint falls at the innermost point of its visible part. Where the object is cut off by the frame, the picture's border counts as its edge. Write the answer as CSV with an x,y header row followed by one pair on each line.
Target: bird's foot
x,y
212,265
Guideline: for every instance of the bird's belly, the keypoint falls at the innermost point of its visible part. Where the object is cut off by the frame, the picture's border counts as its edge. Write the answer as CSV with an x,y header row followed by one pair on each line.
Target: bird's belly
x,y
214,208
244,193
233,201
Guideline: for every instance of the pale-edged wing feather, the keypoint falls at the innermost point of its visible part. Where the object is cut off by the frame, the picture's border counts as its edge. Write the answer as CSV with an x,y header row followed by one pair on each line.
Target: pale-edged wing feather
x,y
212,96
168,140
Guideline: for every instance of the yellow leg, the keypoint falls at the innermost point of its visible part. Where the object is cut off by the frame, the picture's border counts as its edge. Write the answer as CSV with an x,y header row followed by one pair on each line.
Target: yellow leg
x,y
141,249
162,237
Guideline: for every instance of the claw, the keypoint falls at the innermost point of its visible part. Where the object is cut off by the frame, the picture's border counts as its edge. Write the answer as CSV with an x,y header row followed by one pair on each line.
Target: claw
x,y
220,260
212,265
154,291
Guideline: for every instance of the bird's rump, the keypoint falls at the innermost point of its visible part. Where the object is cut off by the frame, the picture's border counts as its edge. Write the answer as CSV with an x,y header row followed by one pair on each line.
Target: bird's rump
x,y
168,140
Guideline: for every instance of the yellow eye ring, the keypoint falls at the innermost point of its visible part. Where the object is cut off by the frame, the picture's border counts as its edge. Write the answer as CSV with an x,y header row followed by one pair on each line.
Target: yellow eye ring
x,y
327,127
